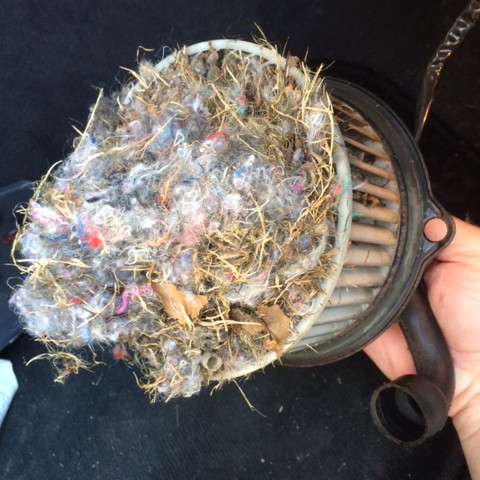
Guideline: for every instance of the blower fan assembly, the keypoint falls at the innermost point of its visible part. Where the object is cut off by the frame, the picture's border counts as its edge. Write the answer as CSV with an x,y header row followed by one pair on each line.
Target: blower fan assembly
x,y
225,210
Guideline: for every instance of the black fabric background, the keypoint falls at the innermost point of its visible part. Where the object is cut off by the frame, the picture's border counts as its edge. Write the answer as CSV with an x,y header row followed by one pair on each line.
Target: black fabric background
x,y
53,54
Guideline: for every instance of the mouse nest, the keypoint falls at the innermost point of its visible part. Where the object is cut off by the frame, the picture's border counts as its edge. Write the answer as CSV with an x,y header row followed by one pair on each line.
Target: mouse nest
x,y
189,229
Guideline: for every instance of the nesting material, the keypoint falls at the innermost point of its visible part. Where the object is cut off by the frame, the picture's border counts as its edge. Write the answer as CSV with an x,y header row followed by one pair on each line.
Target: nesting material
x,y
190,226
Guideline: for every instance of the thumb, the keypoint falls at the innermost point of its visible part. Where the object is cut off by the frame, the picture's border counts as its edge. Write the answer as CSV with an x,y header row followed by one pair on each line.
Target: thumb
x,y
390,353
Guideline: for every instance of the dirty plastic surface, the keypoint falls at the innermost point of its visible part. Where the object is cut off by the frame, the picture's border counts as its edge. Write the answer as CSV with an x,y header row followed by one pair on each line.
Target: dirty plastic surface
x,y
10,196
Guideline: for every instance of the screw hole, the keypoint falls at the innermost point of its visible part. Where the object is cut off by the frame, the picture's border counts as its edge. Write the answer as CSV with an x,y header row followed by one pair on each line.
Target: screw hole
x,y
435,230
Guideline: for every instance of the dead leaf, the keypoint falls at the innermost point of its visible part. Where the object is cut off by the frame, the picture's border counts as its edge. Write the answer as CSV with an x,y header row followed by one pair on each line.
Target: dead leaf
x,y
277,322
194,303
172,301
177,304
271,345
249,323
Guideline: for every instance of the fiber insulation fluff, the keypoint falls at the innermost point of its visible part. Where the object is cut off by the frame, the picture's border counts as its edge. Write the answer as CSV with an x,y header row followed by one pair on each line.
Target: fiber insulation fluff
x,y
188,230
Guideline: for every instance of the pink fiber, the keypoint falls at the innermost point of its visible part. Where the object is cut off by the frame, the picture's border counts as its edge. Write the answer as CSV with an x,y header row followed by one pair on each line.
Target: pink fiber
x,y
126,297
216,135
298,187
336,190
241,100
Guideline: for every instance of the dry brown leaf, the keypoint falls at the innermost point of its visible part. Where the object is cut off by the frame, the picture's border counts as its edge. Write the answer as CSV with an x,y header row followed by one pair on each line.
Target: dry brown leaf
x,y
177,304
271,345
172,301
277,322
249,323
194,303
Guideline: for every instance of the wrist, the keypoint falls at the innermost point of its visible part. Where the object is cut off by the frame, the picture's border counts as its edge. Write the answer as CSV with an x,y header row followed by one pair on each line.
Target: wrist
x,y
467,424
467,420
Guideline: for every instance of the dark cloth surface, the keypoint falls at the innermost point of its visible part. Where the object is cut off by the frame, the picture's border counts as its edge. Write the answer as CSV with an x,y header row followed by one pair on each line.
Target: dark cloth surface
x,y
53,55
316,425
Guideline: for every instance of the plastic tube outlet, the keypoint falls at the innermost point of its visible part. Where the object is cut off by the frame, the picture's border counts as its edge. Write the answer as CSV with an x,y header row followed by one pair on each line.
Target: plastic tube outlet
x,y
414,407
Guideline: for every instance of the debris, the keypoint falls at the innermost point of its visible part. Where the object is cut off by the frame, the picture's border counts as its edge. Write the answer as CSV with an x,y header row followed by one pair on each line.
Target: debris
x,y
277,322
179,305
247,322
189,227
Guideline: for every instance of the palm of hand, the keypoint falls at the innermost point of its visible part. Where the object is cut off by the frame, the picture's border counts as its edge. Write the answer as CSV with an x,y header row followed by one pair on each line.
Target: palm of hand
x,y
454,294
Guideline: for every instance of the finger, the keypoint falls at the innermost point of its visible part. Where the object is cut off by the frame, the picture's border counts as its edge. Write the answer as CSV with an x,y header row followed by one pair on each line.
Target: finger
x,y
390,353
465,242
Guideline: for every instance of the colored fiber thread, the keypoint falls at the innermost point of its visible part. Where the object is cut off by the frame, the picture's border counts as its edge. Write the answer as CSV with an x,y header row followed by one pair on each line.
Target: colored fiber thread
x,y
126,296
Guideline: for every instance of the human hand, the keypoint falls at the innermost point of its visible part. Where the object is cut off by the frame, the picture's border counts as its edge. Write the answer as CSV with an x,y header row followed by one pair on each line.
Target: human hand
x,y
453,282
